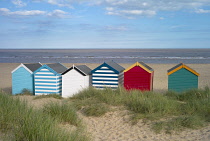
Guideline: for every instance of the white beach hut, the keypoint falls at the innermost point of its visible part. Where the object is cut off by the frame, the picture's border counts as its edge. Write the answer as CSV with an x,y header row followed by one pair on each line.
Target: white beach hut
x,y
75,79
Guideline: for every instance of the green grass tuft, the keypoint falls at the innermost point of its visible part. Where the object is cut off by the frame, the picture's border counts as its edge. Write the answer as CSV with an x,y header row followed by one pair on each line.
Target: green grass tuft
x,y
63,112
95,110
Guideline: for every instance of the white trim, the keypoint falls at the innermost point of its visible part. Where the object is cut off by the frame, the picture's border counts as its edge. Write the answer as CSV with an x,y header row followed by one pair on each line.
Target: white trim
x,y
44,73
22,65
45,80
47,83
94,74
104,71
47,91
105,82
47,76
104,68
47,87
108,86
102,78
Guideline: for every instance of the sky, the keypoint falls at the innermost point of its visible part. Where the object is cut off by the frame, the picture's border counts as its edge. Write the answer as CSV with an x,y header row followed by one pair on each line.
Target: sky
x,y
77,24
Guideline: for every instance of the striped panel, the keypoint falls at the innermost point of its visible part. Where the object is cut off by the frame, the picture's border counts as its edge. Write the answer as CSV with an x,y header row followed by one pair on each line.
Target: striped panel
x,y
104,82
102,74
104,77
47,82
107,71
121,79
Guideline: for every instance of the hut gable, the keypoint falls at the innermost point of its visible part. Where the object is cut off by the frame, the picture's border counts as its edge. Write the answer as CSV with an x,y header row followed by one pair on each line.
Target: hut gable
x,y
75,79
83,69
139,76
48,79
180,66
141,65
182,77
23,77
108,74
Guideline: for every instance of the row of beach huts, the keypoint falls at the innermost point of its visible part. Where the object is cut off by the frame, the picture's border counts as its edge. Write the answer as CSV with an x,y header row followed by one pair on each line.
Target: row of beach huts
x,y
57,79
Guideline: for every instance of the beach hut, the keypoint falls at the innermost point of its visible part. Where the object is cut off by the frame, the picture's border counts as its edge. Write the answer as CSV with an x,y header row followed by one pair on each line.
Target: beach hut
x,y
181,78
139,76
75,79
108,74
48,79
23,77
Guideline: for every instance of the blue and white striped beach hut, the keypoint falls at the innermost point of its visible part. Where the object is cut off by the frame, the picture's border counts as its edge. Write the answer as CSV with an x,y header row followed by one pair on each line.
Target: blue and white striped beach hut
x,y
23,77
108,74
48,79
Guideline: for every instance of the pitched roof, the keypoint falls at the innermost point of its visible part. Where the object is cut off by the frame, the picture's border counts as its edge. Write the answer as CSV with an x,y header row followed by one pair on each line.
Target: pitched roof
x,y
83,69
58,67
142,65
115,66
33,67
29,67
180,66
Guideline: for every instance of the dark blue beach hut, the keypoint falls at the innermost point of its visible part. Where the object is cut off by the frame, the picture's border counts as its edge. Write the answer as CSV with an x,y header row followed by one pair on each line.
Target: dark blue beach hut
x,y
108,74
23,77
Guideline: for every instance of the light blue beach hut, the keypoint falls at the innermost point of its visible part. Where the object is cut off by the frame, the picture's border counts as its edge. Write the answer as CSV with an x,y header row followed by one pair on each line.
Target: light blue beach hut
x,y
23,77
108,74
48,79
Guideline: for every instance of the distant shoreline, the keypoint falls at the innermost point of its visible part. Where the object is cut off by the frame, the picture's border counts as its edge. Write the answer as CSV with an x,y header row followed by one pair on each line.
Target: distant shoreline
x,y
156,56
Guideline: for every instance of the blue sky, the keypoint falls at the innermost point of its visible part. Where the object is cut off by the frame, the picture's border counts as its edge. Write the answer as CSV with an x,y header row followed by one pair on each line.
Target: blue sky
x,y
104,24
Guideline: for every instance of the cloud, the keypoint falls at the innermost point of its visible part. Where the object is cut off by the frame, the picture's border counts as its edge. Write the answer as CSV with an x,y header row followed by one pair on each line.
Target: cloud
x,y
19,3
58,13
55,13
200,11
61,3
7,12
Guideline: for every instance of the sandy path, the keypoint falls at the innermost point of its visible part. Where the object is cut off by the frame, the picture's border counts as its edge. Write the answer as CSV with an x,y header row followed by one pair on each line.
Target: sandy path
x,y
114,126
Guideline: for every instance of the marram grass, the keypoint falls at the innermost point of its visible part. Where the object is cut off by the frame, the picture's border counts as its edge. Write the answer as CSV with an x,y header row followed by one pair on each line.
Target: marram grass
x,y
189,109
23,123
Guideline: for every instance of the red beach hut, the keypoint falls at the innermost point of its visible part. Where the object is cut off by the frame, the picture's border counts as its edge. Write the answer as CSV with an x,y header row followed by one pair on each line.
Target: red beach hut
x,y
139,76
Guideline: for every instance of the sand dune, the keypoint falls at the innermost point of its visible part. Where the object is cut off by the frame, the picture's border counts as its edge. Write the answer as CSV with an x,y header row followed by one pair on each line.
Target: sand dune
x,y
115,126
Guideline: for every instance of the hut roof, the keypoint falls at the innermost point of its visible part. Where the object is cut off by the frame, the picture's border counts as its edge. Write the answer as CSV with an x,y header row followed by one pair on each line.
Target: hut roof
x,y
83,69
33,67
29,67
180,66
57,67
142,65
115,66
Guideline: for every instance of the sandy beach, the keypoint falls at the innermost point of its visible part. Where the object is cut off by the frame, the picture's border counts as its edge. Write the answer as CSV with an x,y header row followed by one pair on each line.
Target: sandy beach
x,y
114,125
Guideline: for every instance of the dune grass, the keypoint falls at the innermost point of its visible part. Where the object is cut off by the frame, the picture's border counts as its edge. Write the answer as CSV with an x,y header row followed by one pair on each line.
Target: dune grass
x,y
63,112
25,92
189,109
24,123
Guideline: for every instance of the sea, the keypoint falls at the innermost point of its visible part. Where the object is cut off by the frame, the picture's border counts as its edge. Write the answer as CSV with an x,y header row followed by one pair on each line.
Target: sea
x,y
156,56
